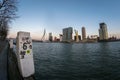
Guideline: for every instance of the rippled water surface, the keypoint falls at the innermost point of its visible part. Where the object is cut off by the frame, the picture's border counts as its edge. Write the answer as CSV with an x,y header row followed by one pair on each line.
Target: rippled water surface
x,y
88,61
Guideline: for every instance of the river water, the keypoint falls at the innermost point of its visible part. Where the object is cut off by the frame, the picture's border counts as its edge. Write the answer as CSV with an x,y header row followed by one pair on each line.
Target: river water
x,y
82,61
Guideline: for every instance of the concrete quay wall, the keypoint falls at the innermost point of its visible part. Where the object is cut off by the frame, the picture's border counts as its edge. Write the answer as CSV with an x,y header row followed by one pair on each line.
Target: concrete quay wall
x,y
13,70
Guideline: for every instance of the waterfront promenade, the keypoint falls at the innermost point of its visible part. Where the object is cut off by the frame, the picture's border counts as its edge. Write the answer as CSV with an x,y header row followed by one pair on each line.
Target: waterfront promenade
x,y
8,64
3,60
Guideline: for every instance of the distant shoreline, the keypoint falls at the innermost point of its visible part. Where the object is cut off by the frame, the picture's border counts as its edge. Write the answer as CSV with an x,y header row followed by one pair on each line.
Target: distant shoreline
x,y
100,41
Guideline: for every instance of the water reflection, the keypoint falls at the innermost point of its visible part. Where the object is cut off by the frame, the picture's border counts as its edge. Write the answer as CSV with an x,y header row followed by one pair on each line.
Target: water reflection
x,y
93,61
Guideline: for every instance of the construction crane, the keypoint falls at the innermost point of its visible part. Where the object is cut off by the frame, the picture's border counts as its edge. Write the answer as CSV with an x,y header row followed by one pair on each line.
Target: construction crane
x,y
76,34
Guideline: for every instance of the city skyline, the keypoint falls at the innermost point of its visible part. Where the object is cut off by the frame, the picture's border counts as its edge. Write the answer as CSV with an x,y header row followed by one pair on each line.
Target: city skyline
x,y
54,15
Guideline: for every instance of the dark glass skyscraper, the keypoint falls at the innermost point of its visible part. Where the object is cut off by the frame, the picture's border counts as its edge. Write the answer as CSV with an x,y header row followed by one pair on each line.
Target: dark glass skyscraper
x,y
67,34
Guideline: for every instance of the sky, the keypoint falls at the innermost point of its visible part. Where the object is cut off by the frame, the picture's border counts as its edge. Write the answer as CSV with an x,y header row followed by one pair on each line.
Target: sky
x,y
54,15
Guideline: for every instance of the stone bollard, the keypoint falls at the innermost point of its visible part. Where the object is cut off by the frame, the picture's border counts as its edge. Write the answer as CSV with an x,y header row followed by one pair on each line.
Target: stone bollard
x,y
25,54
11,43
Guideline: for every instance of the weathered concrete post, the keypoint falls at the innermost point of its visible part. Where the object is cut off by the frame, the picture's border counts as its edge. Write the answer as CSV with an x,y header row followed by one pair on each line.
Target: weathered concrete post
x,y
25,54
11,43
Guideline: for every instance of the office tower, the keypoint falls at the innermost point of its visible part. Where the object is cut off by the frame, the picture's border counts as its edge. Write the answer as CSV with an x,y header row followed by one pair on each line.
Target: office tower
x,y
50,37
103,34
83,33
67,34
61,37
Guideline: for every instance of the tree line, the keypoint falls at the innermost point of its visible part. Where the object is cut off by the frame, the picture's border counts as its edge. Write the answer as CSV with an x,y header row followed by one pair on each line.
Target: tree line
x,y
8,9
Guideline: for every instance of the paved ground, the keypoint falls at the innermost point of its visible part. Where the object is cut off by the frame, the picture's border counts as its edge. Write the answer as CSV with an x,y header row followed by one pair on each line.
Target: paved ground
x,y
2,45
10,68
3,60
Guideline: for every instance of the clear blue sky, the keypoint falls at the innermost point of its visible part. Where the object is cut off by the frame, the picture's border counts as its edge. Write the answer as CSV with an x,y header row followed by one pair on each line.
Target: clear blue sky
x,y
54,15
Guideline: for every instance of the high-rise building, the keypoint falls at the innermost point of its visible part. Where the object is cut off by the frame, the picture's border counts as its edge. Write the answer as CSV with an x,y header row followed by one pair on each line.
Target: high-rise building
x,y
79,37
67,34
103,33
61,37
50,37
83,33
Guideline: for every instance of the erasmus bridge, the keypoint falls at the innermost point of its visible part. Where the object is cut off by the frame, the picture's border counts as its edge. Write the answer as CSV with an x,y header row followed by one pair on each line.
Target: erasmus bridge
x,y
43,36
